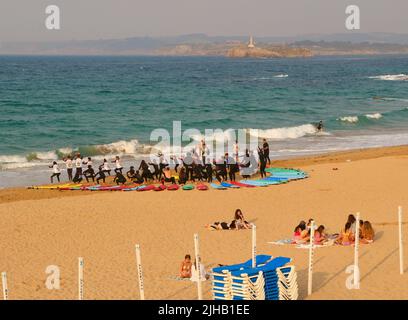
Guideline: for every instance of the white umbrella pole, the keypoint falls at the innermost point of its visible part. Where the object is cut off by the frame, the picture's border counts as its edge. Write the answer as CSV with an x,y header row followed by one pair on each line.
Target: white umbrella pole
x,y
198,266
140,272
356,247
5,287
401,251
253,246
310,277
80,278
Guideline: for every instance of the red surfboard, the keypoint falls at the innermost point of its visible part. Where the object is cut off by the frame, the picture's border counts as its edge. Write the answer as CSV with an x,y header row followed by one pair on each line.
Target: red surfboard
x,y
147,188
202,187
160,187
173,187
239,184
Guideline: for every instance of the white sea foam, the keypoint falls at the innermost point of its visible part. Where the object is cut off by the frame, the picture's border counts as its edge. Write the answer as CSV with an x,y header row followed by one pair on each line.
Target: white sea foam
x,y
12,159
281,76
288,132
121,147
350,119
374,116
391,77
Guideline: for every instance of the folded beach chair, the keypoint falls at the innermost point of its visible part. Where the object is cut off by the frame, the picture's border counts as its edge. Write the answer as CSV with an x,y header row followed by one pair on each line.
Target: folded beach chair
x,y
287,283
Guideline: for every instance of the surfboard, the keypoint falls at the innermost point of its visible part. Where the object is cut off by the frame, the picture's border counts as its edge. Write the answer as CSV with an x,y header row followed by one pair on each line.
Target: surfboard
x,y
146,188
202,187
160,187
188,187
240,184
173,187
217,186
134,188
229,185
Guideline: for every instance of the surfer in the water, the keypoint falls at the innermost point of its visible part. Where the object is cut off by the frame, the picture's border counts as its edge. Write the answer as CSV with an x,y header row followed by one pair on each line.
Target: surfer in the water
x,y
320,126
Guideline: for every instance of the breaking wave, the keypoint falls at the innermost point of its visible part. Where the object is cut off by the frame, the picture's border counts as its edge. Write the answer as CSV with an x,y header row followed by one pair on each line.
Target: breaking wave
x,y
287,132
391,77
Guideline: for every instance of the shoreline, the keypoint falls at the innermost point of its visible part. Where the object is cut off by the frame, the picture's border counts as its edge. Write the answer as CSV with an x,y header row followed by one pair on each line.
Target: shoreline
x,y
302,162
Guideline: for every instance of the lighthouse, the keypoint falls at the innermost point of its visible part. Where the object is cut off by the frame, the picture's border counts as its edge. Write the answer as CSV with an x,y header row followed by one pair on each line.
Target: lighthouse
x,y
251,43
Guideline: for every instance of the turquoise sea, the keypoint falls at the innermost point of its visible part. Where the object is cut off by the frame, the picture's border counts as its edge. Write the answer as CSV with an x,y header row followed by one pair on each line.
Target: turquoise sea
x,y
101,106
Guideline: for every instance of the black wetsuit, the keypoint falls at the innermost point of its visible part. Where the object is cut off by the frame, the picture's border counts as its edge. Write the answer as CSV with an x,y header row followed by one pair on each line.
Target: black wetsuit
x,y
101,176
262,163
119,178
146,174
266,152
209,171
89,173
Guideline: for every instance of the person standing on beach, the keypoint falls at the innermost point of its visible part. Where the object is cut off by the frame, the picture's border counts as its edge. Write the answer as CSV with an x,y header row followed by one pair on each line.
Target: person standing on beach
x,y
78,165
56,172
88,162
106,168
68,163
117,165
265,148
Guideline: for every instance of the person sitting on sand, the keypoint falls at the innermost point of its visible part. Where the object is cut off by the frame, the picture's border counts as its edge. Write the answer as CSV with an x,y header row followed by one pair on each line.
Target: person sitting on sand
x,y
167,176
56,172
185,269
346,236
319,235
138,177
119,178
240,221
352,220
367,233
89,173
300,232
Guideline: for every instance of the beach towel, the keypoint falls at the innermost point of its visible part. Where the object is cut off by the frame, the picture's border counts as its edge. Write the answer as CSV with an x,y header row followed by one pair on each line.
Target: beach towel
x,y
178,278
282,242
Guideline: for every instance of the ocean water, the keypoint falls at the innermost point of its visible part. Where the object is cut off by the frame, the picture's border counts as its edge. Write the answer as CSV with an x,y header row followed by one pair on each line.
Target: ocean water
x,y
103,106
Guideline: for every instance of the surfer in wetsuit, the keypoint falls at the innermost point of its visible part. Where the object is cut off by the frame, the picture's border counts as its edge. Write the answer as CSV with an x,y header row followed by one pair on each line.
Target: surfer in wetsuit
x,y
89,173
262,162
119,178
146,174
157,171
320,126
265,148
100,174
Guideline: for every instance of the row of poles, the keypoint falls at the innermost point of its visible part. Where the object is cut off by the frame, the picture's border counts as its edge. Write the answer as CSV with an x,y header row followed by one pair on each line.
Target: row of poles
x,y
198,262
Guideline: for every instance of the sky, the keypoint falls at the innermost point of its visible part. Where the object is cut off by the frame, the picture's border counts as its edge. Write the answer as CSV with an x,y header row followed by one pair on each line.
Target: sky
x,y
24,20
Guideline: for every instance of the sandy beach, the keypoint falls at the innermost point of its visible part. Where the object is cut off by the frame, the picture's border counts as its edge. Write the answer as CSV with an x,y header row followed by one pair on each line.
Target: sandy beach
x,y
39,228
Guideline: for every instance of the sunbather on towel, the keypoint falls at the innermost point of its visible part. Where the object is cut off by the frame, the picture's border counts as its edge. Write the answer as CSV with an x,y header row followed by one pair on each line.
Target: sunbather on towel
x,y
367,232
222,226
185,269
319,235
300,232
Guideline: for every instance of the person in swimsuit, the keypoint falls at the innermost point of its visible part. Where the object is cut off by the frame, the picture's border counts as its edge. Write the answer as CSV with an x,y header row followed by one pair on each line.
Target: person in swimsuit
x,y
131,173
240,221
56,172
146,174
367,232
185,269
346,236
182,176
222,226
320,126
300,231
319,235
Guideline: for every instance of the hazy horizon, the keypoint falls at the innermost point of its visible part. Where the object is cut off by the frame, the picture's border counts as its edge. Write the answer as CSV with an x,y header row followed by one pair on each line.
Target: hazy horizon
x,y
104,19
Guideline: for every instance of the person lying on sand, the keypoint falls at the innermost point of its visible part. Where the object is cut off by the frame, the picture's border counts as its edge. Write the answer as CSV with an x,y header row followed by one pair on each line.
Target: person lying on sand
x,y
222,226
185,269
